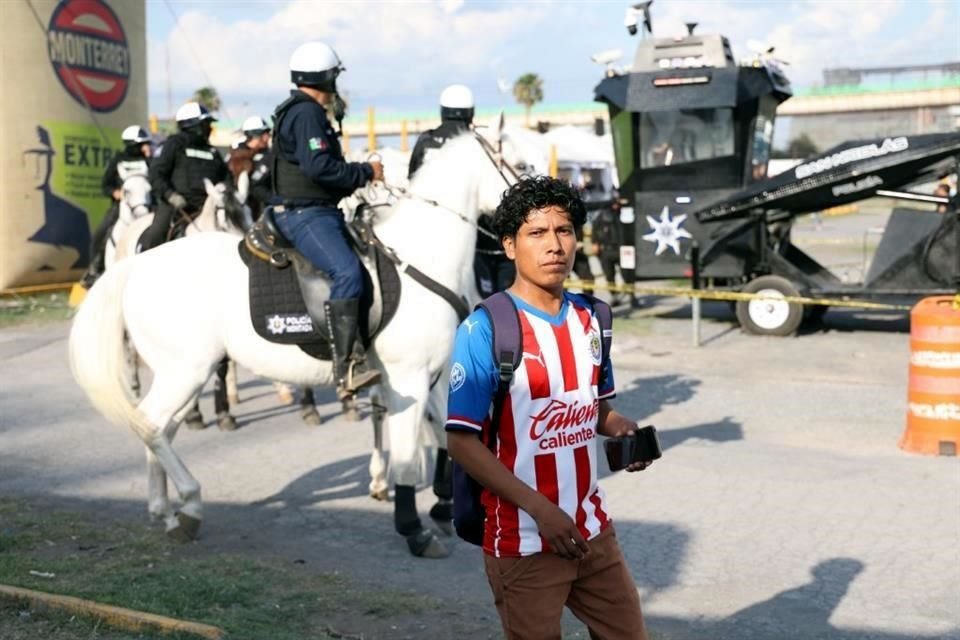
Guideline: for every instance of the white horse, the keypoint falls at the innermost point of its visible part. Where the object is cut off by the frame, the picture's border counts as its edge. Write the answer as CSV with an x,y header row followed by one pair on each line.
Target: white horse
x,y
153,293
135,203
223,210
532,148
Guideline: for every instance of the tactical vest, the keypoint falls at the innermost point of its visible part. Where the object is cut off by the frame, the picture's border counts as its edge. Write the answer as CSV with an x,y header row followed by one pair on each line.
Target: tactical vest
x,y
127,168
288,181
195,163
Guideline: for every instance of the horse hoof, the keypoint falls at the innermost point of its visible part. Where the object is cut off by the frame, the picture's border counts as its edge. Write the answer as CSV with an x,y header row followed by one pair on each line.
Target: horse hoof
x,y
380,494
185,529
226,422
311,417
444,526
194,420
423,544
442,515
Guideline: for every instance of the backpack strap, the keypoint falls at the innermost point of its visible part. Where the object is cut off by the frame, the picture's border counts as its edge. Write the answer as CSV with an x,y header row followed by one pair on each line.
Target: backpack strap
x,y
507,351
605,319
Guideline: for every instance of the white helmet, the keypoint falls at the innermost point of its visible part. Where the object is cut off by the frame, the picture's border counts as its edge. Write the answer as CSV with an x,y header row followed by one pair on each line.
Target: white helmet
x,y
315,64
191,114
456,103
135,134
254,126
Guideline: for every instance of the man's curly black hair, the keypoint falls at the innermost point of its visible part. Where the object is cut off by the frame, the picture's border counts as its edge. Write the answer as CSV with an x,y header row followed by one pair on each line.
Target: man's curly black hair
x,y
535,193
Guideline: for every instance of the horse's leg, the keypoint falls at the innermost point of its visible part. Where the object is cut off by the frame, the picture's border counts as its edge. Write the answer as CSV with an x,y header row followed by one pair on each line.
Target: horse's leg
x,y
378,465
284,392
194,419
233,393
158,504
221,403
442,511
407,395
308,408
162,409
349,408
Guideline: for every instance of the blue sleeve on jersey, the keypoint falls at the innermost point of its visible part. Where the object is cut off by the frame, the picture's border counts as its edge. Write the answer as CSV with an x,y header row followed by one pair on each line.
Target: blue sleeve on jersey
x,y
606,389
473,375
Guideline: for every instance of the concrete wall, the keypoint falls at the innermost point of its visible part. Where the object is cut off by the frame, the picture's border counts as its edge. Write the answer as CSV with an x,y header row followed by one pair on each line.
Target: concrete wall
x,y
74,74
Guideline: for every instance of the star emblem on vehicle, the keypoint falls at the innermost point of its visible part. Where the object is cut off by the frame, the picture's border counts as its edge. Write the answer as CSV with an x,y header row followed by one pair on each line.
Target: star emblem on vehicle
x,y
667,231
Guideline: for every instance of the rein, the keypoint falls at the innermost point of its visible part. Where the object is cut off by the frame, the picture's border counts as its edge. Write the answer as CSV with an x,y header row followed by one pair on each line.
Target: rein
x,y
458,303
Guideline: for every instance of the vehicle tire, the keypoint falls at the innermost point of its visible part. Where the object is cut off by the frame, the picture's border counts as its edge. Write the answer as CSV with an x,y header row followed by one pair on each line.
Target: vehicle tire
x,y
770,317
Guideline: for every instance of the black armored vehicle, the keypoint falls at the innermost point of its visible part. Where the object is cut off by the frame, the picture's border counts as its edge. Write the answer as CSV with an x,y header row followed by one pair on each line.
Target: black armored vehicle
x,y
692,132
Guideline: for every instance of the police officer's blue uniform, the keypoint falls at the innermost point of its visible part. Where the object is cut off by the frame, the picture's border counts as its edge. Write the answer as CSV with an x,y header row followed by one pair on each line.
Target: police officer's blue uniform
x,y
310,177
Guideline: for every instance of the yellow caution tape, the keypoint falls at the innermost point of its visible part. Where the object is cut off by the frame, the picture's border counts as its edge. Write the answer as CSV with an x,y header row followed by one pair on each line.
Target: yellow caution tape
x,y
713,294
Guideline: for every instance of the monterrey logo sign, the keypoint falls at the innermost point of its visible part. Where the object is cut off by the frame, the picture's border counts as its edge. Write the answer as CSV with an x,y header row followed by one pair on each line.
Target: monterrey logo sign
x,y
89,53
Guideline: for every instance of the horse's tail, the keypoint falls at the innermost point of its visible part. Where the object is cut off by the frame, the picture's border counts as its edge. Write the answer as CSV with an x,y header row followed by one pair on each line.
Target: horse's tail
x,y
97,350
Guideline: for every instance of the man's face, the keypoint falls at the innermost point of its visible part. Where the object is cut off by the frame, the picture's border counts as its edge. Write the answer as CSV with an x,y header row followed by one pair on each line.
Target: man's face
x,y
146,149
260,142
544,247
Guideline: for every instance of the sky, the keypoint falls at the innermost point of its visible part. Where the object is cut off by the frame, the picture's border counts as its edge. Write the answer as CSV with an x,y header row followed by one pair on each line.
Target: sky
x,y
400,55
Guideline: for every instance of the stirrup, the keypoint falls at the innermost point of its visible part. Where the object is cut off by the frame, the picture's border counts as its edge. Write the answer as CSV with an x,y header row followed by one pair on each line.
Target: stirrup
x,y
357,380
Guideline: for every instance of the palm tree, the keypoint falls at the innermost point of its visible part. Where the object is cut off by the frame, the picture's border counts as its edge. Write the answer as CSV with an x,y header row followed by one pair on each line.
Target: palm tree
x,y
208,97
528,91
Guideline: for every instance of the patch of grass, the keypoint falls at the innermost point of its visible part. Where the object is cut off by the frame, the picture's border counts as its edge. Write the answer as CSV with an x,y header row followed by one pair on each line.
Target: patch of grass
x,y
40,308
134,567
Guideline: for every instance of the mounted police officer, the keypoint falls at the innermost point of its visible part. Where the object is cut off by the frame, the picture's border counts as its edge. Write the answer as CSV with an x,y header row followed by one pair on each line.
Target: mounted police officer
x,y
253,154
310,176
456,117
177,173
134,159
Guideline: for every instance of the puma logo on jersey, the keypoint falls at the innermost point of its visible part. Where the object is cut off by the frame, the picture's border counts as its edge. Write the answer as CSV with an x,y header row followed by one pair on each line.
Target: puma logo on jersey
x,y
538,357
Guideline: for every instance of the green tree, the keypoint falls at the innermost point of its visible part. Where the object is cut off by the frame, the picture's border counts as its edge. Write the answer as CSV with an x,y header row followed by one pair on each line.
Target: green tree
x,y
208,97
528,91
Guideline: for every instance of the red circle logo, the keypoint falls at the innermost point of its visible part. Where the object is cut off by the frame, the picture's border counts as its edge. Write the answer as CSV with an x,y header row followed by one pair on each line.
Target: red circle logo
x,y
89,53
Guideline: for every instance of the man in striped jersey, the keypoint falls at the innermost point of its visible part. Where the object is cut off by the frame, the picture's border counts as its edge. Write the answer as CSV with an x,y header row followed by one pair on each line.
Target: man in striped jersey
x,y
548,539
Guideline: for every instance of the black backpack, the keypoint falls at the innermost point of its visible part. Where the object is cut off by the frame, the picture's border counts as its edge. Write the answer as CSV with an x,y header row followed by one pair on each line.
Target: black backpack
x,y
468,512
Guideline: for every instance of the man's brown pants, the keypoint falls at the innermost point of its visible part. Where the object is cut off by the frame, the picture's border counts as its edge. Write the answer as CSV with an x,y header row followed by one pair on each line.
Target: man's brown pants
x,y
530,593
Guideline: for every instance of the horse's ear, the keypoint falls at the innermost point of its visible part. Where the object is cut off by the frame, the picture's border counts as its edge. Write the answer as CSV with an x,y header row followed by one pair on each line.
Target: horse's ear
x,y
243,187
497,136
209,186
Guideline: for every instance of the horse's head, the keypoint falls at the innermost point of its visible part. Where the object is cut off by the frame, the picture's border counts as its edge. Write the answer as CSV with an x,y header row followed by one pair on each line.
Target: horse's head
x,y
227,205
514,153
137,196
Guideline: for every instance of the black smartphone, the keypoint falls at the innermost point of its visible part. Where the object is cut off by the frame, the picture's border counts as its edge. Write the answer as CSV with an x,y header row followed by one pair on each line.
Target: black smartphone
x,y
640,446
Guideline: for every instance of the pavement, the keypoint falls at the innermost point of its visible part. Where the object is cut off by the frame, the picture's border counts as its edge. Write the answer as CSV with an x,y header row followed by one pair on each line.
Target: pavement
x,y
782,507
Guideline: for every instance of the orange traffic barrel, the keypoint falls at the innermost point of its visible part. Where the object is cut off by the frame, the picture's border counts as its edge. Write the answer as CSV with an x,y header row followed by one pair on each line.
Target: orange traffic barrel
x,y
933,394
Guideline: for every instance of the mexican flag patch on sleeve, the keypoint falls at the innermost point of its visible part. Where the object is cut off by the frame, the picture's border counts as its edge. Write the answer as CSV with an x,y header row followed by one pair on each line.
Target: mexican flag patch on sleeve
x,y
317,144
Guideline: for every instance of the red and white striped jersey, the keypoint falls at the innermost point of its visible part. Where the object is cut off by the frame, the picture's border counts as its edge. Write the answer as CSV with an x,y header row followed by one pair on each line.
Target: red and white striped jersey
x,y
548,430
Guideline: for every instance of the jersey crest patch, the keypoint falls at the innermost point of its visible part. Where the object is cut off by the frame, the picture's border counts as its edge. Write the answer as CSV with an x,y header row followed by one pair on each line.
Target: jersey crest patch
x,y
317,144
458,376
595,347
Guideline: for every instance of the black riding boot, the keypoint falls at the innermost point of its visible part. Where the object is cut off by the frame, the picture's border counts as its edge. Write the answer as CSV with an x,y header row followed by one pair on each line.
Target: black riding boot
x,y
349,357
94,271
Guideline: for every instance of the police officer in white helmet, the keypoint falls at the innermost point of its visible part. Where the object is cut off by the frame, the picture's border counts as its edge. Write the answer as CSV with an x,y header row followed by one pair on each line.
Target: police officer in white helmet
x,y
456,117
253,155
134,159
178,172
310,176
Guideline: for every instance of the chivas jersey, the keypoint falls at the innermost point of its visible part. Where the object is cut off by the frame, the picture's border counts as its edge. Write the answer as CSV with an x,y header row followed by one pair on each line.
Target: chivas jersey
x,y
547,434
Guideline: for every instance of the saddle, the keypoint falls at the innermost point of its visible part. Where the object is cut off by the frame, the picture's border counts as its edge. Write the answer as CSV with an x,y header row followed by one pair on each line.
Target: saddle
x,y
284,286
